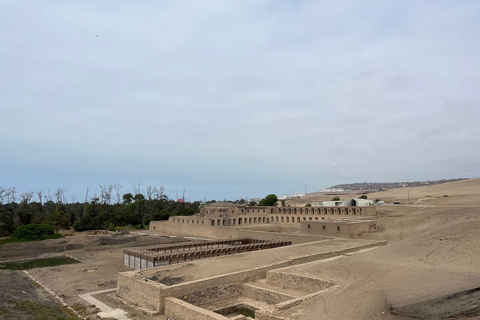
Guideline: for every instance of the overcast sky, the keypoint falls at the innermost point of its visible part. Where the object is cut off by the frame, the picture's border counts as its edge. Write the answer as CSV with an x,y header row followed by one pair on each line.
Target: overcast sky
x,y
237,98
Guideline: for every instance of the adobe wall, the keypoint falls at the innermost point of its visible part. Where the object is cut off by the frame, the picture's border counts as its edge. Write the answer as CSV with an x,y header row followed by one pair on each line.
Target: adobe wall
x,y
262,294
180,310
226,232
213,289
297,282
145,294
335,228
140,292
261,315
236,216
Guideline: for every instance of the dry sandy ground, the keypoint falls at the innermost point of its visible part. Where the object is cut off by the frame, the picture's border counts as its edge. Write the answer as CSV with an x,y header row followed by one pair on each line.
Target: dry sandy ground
x,y
433,251
460,193
201,269
103,260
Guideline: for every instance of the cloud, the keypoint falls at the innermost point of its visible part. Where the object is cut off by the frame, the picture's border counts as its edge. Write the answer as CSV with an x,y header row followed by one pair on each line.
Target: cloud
x,y
265,95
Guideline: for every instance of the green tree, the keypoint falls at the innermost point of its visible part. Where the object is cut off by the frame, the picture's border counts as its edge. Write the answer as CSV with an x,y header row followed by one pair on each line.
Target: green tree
x,y
336,198
58,220
127,198
308,205
161,215
363,197
269,200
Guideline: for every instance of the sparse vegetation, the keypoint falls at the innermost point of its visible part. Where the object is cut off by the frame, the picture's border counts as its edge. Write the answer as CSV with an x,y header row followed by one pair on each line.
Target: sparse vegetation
x,y
36,263
246,312
32,232
41,312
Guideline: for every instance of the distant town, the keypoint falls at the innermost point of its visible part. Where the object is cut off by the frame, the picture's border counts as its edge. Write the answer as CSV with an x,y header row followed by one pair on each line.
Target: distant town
x,y
383,186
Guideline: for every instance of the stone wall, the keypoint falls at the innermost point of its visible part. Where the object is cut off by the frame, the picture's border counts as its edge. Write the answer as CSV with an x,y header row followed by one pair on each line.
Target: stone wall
x,y
145,294
297,282
337,227
262,315
152,295
227,232
262,294
212,289
180,310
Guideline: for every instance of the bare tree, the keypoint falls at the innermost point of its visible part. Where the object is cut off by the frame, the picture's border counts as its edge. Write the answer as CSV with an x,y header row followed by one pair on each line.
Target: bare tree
x,y
48,196
106,193
40,199
149,191
26,197
73,199
158,193
60,195
102,193
11,197
136,189
86,195
109,193
2,194
117,188
95,198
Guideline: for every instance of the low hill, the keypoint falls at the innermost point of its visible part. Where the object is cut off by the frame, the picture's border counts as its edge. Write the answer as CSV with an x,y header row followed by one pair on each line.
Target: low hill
x,y
458,193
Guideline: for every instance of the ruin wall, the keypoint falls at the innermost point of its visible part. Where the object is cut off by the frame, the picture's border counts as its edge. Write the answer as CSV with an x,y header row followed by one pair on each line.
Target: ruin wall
x,y
225,233
181,310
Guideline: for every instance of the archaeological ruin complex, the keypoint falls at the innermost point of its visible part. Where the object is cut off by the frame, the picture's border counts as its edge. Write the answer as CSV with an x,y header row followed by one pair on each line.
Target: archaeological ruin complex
x,y
244,257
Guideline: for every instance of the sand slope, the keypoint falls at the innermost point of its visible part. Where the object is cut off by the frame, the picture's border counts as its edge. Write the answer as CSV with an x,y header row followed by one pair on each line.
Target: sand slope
x,y
433,251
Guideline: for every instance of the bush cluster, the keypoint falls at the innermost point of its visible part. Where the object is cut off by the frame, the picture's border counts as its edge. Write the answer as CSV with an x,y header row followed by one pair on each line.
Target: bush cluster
x,y
34,232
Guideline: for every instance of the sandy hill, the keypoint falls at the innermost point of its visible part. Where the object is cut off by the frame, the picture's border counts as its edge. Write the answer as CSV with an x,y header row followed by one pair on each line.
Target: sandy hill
x,y
459,193
432,257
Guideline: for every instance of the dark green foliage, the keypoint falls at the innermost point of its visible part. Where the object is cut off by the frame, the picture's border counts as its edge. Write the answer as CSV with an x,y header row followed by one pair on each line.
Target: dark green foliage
x,y
336,198
34,232
363,197
161,215
246,312
58,219
133,211
37,263
269,200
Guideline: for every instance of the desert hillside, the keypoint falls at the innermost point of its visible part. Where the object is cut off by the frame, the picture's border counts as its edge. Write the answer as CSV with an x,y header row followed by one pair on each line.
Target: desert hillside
x,y
431,260
459,193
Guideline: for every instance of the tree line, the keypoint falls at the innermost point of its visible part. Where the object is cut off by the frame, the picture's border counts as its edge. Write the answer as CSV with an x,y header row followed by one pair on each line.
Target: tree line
x,y
108,208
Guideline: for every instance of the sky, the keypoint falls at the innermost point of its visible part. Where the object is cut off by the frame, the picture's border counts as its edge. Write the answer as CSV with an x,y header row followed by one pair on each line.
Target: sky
x,y
232,99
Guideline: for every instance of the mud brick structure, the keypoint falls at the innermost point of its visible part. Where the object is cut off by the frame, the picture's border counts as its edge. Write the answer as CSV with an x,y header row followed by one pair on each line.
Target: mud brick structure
x,y
238,215
344,228
155,256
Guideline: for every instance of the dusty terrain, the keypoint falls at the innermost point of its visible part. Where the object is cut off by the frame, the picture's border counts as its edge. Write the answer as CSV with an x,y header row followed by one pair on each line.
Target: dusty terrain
x,y
433,252
429,269
102,256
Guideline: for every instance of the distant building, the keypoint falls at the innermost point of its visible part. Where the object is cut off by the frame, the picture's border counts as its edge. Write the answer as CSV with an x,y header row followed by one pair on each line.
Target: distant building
x,y
332,190
349,203
297,195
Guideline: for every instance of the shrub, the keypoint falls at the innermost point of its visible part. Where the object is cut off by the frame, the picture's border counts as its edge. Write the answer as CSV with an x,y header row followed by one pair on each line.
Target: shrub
x,y
363,197
336,198
34,232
